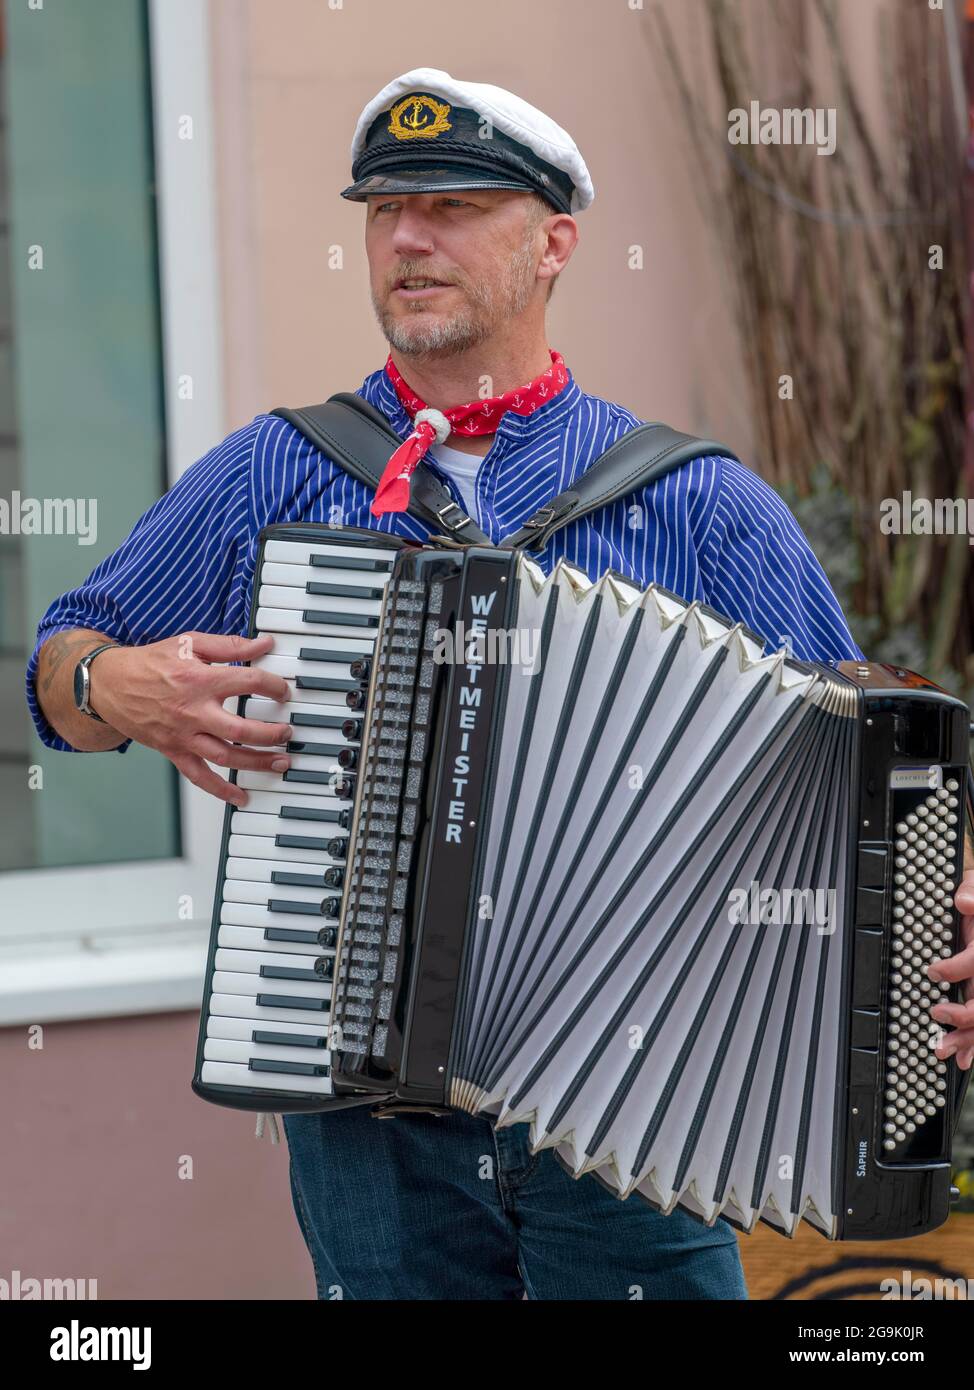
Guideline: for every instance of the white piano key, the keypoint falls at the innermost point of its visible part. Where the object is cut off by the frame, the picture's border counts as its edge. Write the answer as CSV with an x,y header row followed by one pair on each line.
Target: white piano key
x,y
226,1050
274,573
260,870
233,1074
237,914
253,939
241,890
263,830
227,1005
300,552
271,619
290,666
252,986
251,963
243,1028
310,797
341,651
279,596
281,712
275,782
262,849
333,700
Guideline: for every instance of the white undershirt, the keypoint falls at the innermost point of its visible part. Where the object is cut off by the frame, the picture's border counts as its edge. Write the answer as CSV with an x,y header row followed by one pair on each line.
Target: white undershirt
x,y
462,469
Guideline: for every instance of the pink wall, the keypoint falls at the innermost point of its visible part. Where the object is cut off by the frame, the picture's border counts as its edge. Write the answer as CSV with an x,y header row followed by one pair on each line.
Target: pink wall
x,y
96,1126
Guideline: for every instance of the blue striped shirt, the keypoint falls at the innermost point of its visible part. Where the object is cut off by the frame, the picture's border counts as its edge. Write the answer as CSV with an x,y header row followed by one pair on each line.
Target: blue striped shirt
x,y
711,530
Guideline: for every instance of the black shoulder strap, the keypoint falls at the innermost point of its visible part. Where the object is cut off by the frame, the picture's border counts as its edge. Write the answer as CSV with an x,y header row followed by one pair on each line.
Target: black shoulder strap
x,y
359,438
642,456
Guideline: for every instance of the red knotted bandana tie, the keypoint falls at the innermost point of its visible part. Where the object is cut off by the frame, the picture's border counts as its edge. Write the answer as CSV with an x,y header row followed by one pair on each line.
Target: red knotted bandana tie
x,y
477,417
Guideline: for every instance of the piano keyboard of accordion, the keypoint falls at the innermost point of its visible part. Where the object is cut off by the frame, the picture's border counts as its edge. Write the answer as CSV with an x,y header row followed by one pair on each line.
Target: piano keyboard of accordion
x,y
607,869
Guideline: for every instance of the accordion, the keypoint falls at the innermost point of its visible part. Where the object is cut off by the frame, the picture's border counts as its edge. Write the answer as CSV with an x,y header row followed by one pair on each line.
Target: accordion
x,y
583,856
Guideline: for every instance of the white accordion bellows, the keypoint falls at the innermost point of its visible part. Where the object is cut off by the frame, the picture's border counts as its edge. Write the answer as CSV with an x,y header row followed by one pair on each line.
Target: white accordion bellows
x,y
681,1053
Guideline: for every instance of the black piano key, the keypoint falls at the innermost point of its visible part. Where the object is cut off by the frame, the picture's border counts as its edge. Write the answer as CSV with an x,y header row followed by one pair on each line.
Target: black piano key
x,y
302,880
285,905
317,750
299,842
289,972
327,590
319,721
323,615
298,774
314,813
328,654
325,968
328,938
292,1001
292,1068
324,683
313,938
261,1035
349,562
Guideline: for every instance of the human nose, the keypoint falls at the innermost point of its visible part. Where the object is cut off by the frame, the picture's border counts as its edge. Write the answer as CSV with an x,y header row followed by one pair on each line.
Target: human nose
x,y
413,234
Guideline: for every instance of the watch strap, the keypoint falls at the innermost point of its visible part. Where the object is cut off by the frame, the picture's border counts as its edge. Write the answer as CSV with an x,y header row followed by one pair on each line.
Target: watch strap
x,y
85,665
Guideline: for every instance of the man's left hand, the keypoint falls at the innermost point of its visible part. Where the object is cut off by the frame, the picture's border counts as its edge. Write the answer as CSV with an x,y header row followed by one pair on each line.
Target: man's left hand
x,y
959,968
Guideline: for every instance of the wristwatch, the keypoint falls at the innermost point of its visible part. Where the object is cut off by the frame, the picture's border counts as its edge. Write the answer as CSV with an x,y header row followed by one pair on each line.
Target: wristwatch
x,y
82,681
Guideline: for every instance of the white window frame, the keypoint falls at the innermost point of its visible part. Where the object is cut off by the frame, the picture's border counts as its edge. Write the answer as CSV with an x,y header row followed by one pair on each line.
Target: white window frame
x,y
102,940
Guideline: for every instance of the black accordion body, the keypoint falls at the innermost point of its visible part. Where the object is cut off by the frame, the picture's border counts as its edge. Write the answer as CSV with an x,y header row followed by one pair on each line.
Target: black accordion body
x,y
582,856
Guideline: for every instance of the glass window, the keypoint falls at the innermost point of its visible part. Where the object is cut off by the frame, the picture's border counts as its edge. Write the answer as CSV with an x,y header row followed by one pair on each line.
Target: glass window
x,y
81,408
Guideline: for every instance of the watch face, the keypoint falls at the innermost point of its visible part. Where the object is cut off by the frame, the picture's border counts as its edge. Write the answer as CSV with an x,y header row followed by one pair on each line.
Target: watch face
x,y
79,686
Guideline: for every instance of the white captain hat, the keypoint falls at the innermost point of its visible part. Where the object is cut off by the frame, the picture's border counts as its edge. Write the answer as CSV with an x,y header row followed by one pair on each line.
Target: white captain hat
x,y
427,131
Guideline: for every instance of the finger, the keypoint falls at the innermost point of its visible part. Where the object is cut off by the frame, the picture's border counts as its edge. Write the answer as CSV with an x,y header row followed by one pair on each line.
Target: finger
x,y
214,750
249,680
215,646
954,968
235,729
958,1041
954,1015
964,897
196,771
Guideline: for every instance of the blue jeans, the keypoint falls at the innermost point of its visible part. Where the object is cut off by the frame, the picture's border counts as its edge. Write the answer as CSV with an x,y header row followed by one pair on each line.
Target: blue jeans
x,y
447,1207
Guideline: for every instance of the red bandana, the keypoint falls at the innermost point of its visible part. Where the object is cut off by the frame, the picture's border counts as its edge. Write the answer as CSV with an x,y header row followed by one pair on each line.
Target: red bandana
x,y
477,417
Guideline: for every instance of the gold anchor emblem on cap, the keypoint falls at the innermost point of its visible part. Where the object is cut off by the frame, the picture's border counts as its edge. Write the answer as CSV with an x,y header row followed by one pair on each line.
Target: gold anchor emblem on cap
x,y
418,117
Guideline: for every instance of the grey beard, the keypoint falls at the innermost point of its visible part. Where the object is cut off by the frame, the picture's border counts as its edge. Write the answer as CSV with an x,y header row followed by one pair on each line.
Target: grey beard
x,y
468,326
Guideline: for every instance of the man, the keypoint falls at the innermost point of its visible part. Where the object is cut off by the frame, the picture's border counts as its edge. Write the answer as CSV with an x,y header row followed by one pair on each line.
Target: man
x,y
470,196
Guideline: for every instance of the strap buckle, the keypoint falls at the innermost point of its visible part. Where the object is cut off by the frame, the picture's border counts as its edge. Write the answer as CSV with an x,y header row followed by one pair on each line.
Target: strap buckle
x,y
541,518
452,525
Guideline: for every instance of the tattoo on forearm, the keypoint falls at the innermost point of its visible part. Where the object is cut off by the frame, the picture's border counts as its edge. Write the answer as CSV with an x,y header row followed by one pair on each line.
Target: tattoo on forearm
x,y
58,649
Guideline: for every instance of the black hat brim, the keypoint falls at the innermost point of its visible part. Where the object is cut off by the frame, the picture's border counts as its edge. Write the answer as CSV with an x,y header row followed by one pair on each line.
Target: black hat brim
x,y
432,179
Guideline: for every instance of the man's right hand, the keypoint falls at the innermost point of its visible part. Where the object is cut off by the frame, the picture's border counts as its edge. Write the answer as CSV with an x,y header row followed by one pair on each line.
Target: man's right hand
x,y
169,696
